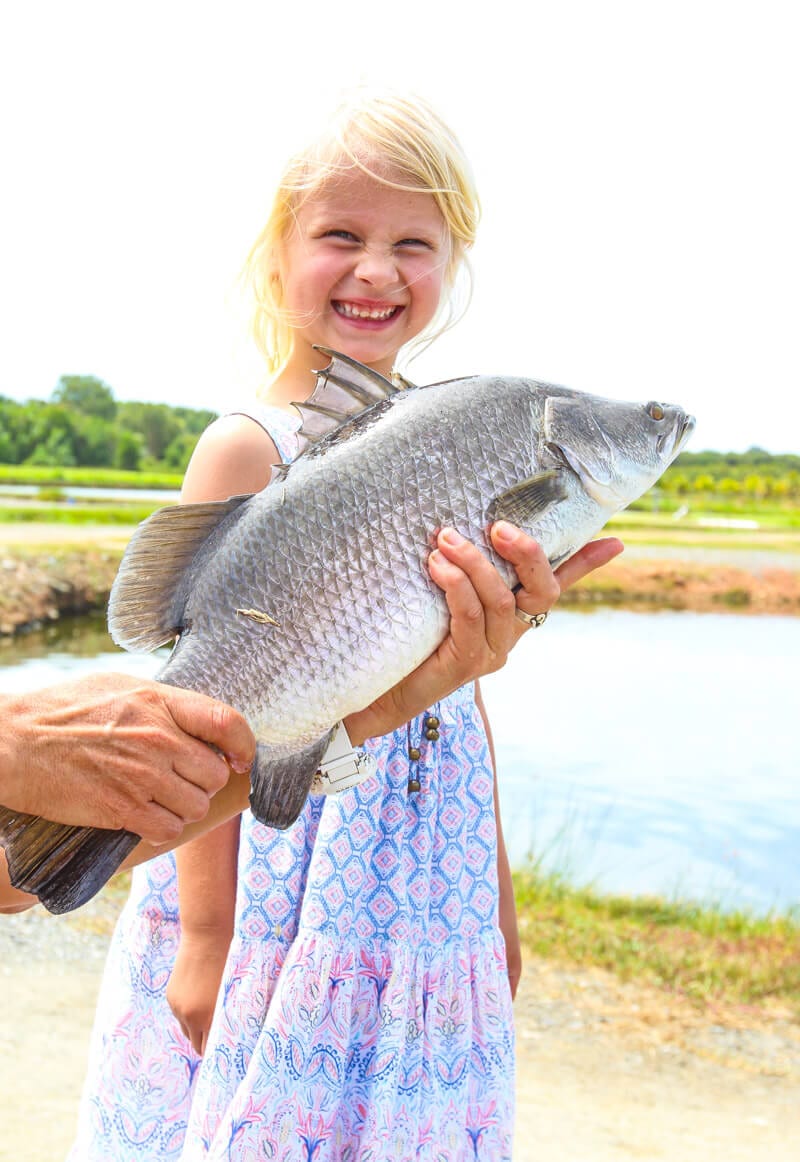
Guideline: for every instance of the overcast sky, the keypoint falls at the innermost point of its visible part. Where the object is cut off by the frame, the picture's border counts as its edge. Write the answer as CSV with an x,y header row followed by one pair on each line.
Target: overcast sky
x,y
638,165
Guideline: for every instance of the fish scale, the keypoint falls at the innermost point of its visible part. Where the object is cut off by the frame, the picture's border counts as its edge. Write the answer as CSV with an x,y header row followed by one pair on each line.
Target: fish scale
x,y
335,552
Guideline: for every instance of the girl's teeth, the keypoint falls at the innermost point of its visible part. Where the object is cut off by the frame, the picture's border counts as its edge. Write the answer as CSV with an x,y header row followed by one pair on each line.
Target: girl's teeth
x,y
352,312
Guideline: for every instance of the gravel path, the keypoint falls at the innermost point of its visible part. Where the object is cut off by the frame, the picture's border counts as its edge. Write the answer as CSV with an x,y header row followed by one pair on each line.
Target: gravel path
x,y
606,1072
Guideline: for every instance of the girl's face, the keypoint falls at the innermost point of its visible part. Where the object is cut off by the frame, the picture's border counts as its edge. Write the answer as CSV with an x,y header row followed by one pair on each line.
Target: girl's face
x,y
363,269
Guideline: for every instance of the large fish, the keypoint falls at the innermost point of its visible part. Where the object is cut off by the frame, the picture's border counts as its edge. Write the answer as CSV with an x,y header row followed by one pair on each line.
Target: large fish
x,y
304,602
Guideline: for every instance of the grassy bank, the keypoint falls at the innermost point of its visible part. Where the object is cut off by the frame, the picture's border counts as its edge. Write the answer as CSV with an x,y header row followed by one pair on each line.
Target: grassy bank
x,y
704,954
45,476
85,513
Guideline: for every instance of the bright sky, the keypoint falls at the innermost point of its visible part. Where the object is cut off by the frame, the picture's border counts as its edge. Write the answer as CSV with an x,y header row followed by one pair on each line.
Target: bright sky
x,y
638,164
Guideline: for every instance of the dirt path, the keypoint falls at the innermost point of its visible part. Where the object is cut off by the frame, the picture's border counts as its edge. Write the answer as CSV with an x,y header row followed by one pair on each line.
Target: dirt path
x,y
606,1072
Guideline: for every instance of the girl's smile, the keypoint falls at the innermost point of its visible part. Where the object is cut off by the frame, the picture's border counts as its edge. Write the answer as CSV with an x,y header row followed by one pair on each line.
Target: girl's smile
x,y
363,269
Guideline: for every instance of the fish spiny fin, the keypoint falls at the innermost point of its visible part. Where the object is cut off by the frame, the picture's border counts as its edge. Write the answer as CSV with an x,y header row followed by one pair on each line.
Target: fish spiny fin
x,y
280,785
145,606
64,866
527,500
278,472
343,389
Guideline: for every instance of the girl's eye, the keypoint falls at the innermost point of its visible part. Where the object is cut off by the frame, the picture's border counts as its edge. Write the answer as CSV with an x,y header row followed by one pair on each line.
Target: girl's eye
x,y
656,411
415,242
345,235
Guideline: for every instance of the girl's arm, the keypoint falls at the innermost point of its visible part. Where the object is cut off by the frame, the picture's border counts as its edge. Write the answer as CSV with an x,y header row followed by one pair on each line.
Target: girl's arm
x,y
233,456
507,907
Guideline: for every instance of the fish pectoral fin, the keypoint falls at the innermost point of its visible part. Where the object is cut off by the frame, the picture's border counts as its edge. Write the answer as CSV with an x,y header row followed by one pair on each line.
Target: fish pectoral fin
x,y
279,786
529,499
144,609
64,866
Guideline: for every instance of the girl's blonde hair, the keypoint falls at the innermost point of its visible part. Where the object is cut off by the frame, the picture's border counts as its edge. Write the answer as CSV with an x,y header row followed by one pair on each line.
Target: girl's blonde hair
x,y
401,142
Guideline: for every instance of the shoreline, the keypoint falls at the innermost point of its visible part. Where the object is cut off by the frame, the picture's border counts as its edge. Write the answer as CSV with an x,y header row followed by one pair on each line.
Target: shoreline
x,y
51,573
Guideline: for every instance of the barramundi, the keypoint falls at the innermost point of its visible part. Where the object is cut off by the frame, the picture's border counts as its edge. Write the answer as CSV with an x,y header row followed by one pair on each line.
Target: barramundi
x,y
302,603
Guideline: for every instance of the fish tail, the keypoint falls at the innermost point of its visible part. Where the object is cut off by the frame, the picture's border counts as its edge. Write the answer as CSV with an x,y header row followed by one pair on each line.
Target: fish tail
x,y
64,866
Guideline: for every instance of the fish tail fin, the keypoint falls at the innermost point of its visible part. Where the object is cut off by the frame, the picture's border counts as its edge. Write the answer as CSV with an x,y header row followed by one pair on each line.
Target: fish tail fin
x,y
64,866
280,784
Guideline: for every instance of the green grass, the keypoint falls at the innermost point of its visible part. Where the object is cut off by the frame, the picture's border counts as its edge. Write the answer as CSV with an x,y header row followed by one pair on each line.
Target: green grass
x,y
77,514
88,477
702,952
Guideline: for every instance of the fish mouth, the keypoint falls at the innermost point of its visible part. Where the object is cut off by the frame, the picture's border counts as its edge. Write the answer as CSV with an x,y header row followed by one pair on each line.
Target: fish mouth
x,y
679,437
684,431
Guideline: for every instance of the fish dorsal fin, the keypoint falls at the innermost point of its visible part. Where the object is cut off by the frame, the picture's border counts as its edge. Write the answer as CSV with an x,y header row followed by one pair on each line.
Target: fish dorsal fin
x,y
145,609
278,472
343,389
526,501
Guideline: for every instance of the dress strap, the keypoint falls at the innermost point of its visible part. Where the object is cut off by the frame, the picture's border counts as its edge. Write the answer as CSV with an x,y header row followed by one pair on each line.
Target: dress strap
x,y
281,426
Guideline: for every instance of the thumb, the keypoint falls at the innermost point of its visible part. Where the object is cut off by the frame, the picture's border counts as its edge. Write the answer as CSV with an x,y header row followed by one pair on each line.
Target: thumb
x,y
215,723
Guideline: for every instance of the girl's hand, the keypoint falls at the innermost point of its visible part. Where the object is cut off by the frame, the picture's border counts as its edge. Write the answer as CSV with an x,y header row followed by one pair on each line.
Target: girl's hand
x,y
484,627
194,984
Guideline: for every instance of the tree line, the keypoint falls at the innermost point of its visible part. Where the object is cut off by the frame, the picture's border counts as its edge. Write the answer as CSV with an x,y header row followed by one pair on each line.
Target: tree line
x,y
83,425
754,474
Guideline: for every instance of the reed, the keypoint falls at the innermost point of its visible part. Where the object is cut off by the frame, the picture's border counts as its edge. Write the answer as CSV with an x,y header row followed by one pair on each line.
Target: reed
x,y
700,951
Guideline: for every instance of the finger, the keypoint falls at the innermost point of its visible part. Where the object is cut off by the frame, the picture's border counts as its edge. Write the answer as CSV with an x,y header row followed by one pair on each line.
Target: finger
x,y
215,723
155,823
490,589
467,628
541,589
200,767
183,797
590,557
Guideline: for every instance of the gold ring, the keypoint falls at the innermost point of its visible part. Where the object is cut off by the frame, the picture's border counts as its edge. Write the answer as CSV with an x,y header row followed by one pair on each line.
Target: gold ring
x,y
531,619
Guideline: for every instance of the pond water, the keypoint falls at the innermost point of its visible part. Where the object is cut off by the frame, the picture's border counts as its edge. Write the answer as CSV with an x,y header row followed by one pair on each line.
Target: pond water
x,y
641,752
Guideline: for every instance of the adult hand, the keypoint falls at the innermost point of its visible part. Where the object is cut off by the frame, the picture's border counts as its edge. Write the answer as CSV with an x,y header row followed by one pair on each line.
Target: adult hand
x,y
483,622
117,752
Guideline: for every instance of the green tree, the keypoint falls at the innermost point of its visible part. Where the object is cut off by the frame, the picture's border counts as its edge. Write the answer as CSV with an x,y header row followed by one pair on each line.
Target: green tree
x,y
51,433
86,394
704,483
179,452
156,422
55,451
128,453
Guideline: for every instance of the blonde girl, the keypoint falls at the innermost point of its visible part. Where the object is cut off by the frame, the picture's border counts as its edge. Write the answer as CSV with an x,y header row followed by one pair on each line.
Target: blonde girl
x,y
340,990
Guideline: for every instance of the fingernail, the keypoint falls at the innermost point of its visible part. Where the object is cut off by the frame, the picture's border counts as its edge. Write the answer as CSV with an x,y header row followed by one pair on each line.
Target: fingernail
x,y
451,537
240,765
505,532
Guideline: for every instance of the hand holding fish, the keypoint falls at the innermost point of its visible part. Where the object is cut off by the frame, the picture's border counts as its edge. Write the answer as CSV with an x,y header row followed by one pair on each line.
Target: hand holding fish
x,y
113,751
483,625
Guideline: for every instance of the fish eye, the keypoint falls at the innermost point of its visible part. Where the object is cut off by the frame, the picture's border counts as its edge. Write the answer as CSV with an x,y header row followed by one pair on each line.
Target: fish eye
x,y
655,411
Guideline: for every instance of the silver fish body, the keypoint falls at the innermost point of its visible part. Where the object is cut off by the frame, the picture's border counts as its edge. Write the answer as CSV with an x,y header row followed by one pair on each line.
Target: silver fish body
x,y
304,602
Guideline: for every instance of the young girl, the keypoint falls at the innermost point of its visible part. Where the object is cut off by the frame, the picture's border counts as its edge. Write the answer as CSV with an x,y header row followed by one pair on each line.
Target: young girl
x,y
368,955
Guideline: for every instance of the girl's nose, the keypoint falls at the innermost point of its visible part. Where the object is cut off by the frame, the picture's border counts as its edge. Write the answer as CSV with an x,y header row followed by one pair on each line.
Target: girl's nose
x,y
377,267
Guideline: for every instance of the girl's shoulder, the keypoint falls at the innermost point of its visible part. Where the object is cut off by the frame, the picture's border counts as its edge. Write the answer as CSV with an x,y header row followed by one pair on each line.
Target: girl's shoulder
x,y
278,424
233,455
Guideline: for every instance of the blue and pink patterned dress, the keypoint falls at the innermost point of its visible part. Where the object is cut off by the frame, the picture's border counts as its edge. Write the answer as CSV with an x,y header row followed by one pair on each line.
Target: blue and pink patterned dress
x,y
365,1010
